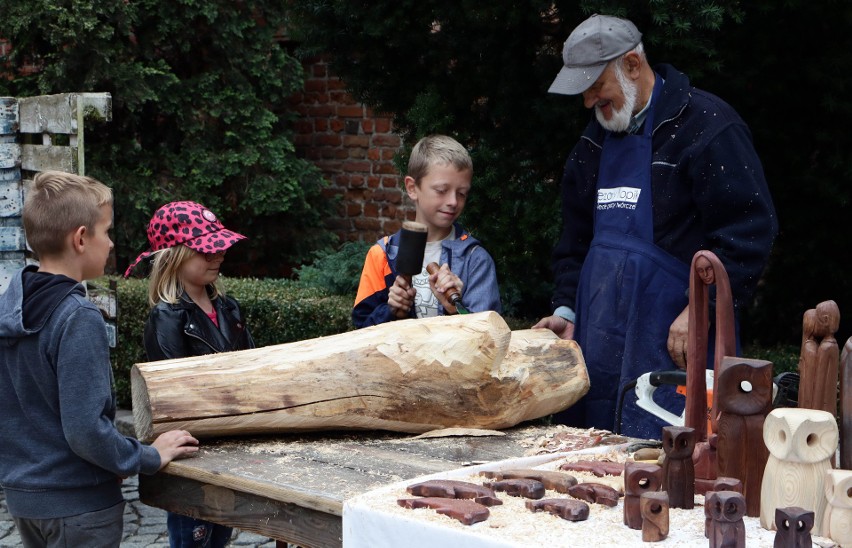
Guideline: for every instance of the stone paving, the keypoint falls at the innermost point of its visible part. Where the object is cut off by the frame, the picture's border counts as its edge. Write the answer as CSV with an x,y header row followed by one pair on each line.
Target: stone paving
x,y
144,526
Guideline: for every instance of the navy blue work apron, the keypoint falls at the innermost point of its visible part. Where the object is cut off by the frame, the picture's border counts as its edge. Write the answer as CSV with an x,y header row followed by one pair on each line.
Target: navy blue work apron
x,y
630,291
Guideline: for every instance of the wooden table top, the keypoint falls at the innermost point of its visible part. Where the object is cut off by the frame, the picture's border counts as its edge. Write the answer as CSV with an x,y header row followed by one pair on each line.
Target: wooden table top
x,y
236,481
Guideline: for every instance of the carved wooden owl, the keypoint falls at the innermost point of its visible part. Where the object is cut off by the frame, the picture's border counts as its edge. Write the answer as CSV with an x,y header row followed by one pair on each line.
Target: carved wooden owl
x,y
678,442
794,526
744,387
837,521
800,435
726,508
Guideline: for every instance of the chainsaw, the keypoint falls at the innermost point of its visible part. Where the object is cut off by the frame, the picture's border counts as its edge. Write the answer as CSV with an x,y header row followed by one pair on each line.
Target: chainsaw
x,y
785,391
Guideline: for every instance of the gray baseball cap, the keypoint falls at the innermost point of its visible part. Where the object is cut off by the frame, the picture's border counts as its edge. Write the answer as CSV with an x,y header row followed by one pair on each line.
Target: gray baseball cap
x,y
594,43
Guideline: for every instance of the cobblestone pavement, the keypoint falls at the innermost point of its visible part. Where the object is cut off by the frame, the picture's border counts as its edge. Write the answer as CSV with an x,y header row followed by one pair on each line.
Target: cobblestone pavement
x,y
144,526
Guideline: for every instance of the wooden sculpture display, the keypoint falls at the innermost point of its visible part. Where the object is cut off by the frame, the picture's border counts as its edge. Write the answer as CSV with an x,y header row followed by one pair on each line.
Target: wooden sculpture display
x,y
727,529
706,270
720,484
846,406
820,358
744,398
654,507
678,472
794,526
639,478
408,376
801,443
837,522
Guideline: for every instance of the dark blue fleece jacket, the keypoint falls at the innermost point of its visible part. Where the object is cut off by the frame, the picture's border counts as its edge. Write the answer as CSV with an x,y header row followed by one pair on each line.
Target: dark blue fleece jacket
x,y
60,453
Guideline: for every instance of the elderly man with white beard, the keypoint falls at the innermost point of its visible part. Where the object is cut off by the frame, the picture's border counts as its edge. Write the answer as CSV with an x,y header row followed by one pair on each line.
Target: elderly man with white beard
x,y
662,171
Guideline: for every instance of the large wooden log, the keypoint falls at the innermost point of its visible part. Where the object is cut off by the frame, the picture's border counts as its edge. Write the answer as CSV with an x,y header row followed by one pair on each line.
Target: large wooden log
x,y
408,376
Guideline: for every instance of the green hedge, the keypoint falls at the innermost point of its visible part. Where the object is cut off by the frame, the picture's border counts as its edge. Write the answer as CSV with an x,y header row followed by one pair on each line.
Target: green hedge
x,y
276,311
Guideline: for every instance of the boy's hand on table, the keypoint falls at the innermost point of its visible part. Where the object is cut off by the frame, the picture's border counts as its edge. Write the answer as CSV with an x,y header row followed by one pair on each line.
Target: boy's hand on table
x,y
174,444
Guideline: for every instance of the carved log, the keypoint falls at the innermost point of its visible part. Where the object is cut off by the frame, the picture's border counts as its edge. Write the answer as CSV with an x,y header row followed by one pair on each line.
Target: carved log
x,y
466,511
801,444
454,489
744,399
678,473
568,509
654,507
519,487
409,376
557,481
819,359
639,478
727,529
597,467
597,493
846,406
837,522
794,527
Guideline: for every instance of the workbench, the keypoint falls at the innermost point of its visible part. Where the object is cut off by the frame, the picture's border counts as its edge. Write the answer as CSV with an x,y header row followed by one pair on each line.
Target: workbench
x,y
292,487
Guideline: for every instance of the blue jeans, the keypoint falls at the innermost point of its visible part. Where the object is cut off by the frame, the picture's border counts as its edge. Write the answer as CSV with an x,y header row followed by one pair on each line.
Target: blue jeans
x,y
187,532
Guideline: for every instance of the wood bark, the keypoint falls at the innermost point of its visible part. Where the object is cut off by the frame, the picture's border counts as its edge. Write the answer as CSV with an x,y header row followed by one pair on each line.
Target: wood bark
x,y
408,376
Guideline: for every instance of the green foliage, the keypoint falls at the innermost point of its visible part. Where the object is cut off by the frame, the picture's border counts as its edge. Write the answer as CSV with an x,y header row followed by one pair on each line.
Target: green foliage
x,y
337,272
200,94
276,311
480,72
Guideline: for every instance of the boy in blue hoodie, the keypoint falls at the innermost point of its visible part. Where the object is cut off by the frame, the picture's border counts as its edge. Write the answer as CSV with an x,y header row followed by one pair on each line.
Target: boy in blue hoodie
x,y
438,182
61,458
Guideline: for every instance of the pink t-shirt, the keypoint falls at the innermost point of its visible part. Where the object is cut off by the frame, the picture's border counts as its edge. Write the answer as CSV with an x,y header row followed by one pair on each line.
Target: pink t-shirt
x,y
213,317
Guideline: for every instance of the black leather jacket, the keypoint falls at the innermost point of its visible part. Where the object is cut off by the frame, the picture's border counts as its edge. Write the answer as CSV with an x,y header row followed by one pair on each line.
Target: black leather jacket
x,y
181,330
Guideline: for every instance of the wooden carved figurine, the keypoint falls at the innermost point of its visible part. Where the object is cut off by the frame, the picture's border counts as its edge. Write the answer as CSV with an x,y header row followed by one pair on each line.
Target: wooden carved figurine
x,y
801,444
744,398
704,459
794,527
837,523
727,509
846,406
720,484
654,508
639,478
678,471
820,358
706,270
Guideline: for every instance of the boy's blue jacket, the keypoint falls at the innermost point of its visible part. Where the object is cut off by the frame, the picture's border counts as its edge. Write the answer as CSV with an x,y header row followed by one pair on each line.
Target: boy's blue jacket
x,y
60,453
464,255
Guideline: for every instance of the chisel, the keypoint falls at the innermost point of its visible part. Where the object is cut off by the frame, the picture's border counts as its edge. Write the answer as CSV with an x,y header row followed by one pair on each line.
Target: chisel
x,y
455,296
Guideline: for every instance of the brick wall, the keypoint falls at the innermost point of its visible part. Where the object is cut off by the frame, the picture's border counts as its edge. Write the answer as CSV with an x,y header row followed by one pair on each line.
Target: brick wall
x,y
354,148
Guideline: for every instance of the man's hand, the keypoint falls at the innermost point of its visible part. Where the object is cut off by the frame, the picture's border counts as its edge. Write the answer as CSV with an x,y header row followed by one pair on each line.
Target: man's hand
x,y
174,444
677,343
559,325
401,297
444,283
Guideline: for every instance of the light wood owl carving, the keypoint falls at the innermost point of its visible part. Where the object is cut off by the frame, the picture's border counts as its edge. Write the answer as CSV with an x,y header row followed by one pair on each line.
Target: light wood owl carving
x,y
837,522
801,443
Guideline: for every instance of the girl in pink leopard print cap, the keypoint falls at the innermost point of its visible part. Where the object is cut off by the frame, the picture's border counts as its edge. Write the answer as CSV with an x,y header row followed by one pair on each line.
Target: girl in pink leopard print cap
x,y
190,314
